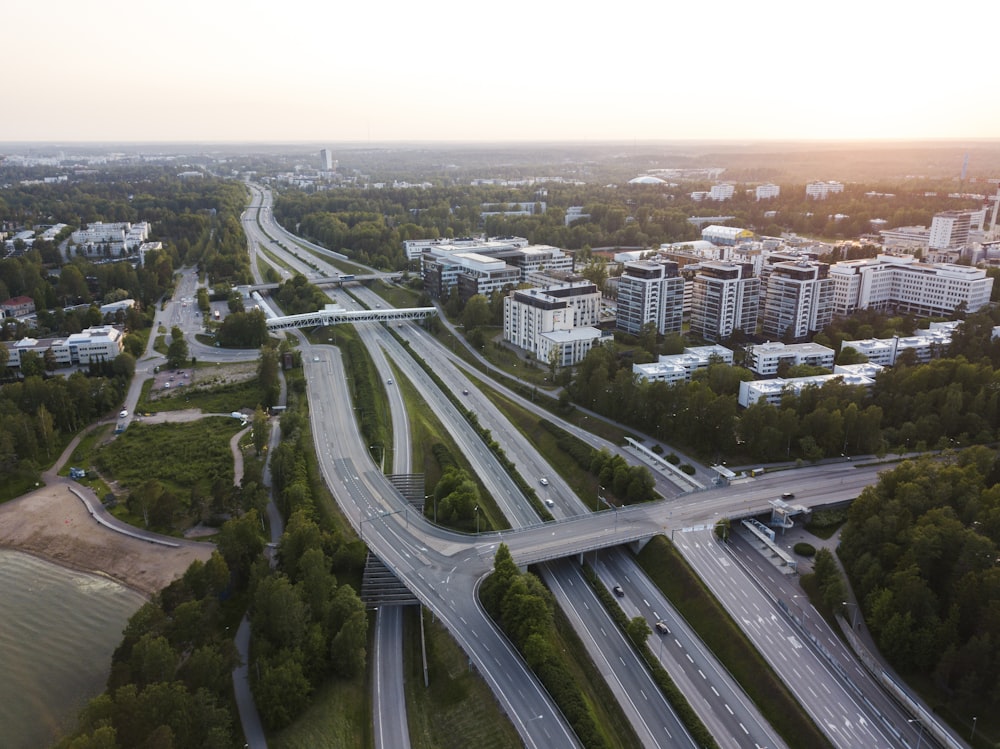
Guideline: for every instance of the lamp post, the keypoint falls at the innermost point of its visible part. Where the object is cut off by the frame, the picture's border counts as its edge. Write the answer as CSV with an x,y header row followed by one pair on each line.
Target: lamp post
x,y
920,736
854,618
477,520
973,734
434,497
381,452
610,506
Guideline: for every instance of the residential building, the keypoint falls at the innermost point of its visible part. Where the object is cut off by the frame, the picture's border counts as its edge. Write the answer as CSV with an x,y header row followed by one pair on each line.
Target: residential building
x,y
724,298
764,358
905,238
820,190
414,248
772,391
926,344
765,192
901,283
798,300
721,192
650,292
18,306
556,323
673,368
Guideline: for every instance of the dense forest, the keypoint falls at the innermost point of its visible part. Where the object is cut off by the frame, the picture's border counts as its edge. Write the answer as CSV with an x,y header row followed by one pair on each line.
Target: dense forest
x,y
922,548
370,225
954,400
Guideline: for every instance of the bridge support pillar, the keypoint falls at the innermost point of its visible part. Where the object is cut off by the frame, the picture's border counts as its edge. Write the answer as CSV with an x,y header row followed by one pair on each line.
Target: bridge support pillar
x,y
639,545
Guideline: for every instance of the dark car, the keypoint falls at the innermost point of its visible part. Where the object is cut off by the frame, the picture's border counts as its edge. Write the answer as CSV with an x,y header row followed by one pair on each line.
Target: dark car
x,y
788,495
617,590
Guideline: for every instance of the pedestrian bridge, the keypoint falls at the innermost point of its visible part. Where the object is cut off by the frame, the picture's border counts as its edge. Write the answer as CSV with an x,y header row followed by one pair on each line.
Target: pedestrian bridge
x,y
335,315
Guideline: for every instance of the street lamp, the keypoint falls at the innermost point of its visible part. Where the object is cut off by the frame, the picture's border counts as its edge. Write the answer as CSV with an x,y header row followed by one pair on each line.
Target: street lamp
x,y
610,506
381,451
920,736
434,497
973,735
854,619
477,520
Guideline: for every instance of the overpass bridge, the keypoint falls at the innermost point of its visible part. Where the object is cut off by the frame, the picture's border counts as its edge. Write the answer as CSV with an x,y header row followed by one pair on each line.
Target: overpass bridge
x,y
336,315
339,280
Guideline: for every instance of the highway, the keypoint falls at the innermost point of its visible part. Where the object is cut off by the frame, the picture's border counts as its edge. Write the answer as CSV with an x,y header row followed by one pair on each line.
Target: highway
x,y
540,542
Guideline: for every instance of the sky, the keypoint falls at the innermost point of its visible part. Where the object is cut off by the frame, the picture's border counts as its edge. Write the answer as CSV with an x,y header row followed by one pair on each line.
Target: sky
x,y
287,71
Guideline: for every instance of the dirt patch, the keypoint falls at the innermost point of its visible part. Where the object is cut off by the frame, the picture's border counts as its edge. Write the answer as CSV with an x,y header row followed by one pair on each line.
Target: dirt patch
x,y
54,524
187,379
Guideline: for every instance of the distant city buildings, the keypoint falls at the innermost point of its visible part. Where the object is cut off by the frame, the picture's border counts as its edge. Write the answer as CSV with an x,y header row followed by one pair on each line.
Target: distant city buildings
x,y
821,190
766,192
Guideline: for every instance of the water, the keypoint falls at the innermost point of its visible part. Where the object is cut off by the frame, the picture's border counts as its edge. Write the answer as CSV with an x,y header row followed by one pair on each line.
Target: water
x,y
58,629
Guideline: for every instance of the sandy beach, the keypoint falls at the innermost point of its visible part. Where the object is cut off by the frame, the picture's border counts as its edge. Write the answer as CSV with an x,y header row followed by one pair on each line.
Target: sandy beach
x,y
54,524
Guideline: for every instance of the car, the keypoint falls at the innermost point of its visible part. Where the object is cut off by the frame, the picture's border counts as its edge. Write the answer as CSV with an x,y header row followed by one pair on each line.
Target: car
x,y
788,495
123,413
465,392
543,481
662,628
549,502
618,591
389,381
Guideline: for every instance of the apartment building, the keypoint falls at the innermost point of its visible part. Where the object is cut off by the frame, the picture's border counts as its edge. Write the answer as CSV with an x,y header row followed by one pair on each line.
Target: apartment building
x,y
556,323
798,299
764,358
773,390
674,368
724,298
821,190
950,229
650,292
926,344
766,192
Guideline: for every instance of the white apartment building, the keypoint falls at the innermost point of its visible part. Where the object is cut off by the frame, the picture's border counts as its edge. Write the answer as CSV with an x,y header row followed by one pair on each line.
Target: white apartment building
x,y
926,344
560,319
820,190
798,299
724,298
650,292
899,282
101,343
772,391
721,192
764,358
766,192
674,368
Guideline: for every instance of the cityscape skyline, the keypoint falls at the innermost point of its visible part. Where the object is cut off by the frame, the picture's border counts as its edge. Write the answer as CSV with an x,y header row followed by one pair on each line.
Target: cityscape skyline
x,y
259,72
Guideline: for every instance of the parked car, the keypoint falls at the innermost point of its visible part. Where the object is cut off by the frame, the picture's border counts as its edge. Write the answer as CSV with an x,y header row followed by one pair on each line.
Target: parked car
x,y
123,413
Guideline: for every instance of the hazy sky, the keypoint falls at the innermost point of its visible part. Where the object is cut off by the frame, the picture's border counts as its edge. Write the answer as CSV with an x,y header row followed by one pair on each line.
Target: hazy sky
x,y
357,70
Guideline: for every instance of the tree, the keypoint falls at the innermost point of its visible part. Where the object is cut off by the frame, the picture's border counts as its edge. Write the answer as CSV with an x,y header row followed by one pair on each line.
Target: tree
x,y
177,351
476,313
260,430
638,630
267,376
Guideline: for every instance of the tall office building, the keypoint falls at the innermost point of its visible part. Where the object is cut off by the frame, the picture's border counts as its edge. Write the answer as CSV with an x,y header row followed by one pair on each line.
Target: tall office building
x,y
798,300
326,158
650,293
950,229
724,298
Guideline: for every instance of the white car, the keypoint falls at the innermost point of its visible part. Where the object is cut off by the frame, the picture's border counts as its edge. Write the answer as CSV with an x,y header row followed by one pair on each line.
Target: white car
x,y
550,503
123,414
543,481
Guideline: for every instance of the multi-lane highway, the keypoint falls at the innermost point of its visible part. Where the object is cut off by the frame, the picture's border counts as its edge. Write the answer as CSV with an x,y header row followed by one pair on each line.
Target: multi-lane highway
x,y
442,567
